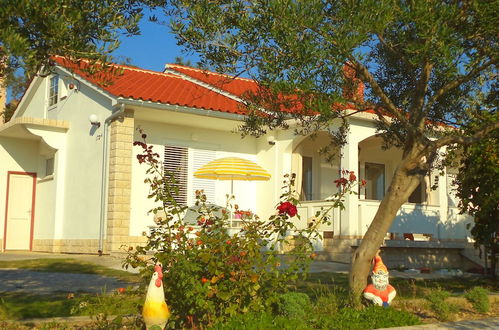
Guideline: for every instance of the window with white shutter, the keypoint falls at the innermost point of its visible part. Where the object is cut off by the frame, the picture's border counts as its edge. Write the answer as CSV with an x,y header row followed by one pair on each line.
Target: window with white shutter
x,y
176,162
200,157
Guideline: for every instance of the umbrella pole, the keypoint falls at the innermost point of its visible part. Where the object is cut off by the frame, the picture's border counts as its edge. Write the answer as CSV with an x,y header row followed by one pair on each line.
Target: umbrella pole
x,y
231,187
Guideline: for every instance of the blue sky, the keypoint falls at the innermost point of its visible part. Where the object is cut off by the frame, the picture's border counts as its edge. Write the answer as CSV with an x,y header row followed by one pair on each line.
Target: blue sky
x,y
153,48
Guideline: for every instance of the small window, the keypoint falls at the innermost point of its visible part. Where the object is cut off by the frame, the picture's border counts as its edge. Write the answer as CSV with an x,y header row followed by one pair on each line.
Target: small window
x,y
49,166
307,178
375,177
53,90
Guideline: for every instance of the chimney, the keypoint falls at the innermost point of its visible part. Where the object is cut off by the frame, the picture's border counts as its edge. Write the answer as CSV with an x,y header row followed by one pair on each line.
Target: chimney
x,y
354,87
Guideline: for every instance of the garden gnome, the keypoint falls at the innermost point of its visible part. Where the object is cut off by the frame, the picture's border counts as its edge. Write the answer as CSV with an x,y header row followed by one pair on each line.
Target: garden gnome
x,y
155,311
380,292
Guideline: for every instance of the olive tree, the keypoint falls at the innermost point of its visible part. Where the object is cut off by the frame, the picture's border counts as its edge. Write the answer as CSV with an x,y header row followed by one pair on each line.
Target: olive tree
x,y
420,61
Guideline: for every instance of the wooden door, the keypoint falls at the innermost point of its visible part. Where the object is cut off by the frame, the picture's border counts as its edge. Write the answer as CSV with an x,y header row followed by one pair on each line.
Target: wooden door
x,y
19,213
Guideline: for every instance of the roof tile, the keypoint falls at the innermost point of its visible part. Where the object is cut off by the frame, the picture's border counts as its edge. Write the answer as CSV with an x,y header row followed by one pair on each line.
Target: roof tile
x,y
166,88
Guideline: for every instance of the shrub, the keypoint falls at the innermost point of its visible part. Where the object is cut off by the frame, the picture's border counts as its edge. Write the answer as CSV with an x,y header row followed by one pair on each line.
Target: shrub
x,y
212,276
294,305
444,310
479,298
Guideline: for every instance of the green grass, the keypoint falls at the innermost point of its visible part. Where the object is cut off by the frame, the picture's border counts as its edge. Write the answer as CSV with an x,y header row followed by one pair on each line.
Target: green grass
x,y
406,288
70,266
18,306
23,306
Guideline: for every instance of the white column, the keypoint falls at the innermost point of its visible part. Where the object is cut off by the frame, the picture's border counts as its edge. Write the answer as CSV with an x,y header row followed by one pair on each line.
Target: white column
x,y
443,202
350,161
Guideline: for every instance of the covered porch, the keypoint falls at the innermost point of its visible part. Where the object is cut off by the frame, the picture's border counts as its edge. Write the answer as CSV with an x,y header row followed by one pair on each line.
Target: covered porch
x,y
429,215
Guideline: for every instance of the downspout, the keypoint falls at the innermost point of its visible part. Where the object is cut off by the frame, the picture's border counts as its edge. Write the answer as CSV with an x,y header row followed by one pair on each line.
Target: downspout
x,y
102,219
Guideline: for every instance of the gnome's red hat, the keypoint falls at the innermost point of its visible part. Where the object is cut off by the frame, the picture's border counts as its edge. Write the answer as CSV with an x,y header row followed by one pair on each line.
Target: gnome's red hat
x,y
379,266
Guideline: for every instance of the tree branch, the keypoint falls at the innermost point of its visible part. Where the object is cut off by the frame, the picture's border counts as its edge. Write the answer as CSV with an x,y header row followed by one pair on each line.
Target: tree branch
x,y
446,140
459,81
389,106
416,109
393,50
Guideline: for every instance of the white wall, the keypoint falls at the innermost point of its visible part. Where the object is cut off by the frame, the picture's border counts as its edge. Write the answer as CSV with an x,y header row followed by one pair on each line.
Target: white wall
x,y
15,158
81,195
33,102
224,143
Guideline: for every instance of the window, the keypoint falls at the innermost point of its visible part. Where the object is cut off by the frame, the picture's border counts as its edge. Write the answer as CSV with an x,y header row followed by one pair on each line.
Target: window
x,y
53,90
49,166
418,195
375,177
175,162
306,193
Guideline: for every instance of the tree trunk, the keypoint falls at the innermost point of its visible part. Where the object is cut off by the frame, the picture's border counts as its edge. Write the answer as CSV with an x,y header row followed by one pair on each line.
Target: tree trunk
x,y
493,255
400,189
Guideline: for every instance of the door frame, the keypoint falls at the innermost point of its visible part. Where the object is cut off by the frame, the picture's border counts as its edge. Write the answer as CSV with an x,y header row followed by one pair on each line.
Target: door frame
x,y
33,195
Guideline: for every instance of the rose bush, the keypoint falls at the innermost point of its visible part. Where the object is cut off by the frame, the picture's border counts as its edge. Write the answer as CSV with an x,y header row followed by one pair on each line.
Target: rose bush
x,y
210,274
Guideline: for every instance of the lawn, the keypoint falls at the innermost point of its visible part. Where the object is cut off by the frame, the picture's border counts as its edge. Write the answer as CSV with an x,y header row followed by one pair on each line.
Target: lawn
x,y
327,293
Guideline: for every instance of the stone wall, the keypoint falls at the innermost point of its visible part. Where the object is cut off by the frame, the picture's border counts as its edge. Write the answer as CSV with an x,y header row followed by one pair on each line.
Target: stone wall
x,y
80,245
433,258
120,176
66,245
408,254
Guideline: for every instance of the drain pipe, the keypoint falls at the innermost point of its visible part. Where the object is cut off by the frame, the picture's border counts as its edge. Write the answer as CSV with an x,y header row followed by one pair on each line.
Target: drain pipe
x,y
108,120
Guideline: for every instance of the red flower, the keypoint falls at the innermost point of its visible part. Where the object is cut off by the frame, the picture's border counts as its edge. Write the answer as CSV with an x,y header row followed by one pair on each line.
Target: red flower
x,y
288,208
363,182
204,280
352,176
341,182
121,290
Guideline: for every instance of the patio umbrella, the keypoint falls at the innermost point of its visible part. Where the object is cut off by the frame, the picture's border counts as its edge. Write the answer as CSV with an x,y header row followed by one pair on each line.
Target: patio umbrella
x,y
232,168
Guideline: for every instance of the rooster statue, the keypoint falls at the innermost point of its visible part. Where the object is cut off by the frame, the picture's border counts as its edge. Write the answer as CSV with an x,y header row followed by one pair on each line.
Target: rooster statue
x,y
156,312
380,292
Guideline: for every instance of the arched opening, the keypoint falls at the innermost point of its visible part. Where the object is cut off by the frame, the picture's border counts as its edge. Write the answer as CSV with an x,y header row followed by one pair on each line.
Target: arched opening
x,y
315,173
377,166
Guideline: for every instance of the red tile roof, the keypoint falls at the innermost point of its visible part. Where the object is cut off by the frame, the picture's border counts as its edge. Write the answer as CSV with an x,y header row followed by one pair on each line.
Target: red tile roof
x,y
234,85
138,84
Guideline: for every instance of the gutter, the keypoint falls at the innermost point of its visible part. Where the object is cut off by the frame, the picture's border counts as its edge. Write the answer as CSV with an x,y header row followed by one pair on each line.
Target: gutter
x,y
104,173
182,109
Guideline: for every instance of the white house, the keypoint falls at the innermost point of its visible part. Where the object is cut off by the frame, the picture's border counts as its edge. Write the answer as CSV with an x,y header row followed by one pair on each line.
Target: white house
x,y
70,181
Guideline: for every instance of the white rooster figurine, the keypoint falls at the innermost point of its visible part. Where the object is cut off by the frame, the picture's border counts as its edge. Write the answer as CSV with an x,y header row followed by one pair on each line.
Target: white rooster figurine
x,y
155,311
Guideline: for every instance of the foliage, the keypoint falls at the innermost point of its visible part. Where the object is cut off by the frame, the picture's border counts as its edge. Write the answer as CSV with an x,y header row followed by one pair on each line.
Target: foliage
x,y
211,274
479,298
15,305
263,320
372,317
32,31
443,309
294,305
478,187
422,63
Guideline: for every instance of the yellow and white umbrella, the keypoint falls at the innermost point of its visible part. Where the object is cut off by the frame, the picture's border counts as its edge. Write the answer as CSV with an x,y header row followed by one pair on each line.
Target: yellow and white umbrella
x,y
232,168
